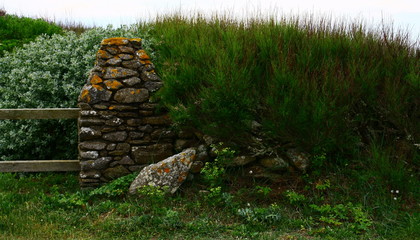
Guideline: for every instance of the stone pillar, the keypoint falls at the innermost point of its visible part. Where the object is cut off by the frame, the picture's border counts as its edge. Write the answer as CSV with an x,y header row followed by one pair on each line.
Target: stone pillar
x,y
119,129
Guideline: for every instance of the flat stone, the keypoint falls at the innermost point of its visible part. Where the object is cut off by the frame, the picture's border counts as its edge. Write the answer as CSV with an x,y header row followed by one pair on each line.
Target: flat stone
x,y
114,122
117,41
133,64
133,122
152,153
115,136
115,172
119,72
100,106
150,75
125,56
131,81
169,173
126,160
103,54
111,146
131,95
89,154
90,174
83,122
126,49
299,159
276,163
162,133
92,145
113,84
102,163
114,61
153,86
87,133
145,113
241,161
146,128
136,135
94,94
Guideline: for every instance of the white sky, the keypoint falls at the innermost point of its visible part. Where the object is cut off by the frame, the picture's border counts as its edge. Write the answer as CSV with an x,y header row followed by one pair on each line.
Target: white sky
x,y
405,14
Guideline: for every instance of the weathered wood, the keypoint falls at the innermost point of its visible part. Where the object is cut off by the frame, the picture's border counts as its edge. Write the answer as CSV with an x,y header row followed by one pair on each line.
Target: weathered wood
x,y
39,113
40,166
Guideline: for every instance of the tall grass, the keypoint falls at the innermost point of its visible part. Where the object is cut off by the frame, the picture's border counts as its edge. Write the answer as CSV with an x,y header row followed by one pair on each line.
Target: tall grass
x,y
316,84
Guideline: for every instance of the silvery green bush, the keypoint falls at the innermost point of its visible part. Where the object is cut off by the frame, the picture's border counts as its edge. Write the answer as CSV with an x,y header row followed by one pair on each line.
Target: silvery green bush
x,y
49,72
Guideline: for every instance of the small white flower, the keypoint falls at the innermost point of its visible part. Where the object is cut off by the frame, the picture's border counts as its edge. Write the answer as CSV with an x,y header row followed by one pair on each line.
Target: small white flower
x,y
395,198
392,191
250,172
248,204
396,191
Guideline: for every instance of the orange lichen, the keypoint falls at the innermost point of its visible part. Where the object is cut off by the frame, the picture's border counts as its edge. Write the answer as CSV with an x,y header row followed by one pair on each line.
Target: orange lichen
x,y
142,55
135,91
103,54
85,95
115,41
99,88
145,62
113,84
95,79
136,40
167,170
111,107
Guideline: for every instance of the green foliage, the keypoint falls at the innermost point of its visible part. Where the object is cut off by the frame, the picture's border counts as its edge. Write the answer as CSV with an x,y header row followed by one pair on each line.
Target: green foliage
x,y
16,31
295,198
263,190
270,215
309,82
48,72
115,188
213,172
336,215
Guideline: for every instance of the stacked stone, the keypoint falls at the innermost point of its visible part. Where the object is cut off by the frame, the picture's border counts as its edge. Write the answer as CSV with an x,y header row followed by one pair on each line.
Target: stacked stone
x,y
119,129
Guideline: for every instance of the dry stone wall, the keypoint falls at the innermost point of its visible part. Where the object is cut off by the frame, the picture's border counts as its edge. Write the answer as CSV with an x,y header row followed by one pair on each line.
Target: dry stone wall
x,y
120,127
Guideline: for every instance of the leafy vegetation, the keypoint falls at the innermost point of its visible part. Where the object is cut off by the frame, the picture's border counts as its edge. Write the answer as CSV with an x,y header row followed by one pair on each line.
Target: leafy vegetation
x,y
46,73
16,31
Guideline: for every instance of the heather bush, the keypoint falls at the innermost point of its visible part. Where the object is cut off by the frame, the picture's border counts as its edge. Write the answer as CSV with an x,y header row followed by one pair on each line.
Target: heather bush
x,y
48,72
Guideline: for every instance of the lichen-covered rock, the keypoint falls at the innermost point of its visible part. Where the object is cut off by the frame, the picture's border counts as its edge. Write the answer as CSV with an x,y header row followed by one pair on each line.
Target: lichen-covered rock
x,y
131,95
119,72
241,161
170,173
115,136
152,153
94,94
299,159
115,172
274,163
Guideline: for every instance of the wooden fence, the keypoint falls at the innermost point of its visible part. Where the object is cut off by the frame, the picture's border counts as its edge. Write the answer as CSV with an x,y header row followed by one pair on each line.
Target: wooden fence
x,y
39,165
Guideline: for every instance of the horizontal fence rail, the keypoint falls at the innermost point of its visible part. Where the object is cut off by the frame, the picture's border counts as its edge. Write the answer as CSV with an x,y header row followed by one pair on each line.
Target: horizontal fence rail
x,y
39,113
39,165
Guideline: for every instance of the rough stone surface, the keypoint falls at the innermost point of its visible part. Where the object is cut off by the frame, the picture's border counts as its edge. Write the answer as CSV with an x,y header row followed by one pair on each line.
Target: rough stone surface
x,y
241,161
170,173
115,136
92,145
299,159
276,163
152,153
115,172
131,95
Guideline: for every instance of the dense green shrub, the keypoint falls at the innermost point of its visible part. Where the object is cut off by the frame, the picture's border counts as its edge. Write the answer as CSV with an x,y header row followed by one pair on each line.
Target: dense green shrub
x,y
48,72
15,31
307,83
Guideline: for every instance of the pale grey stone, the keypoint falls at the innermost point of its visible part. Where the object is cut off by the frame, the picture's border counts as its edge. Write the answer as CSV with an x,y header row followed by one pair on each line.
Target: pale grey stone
x,y
169,173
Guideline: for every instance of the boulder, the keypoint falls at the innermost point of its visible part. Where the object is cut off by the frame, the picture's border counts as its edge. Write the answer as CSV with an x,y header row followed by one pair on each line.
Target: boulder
x,y
170,173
